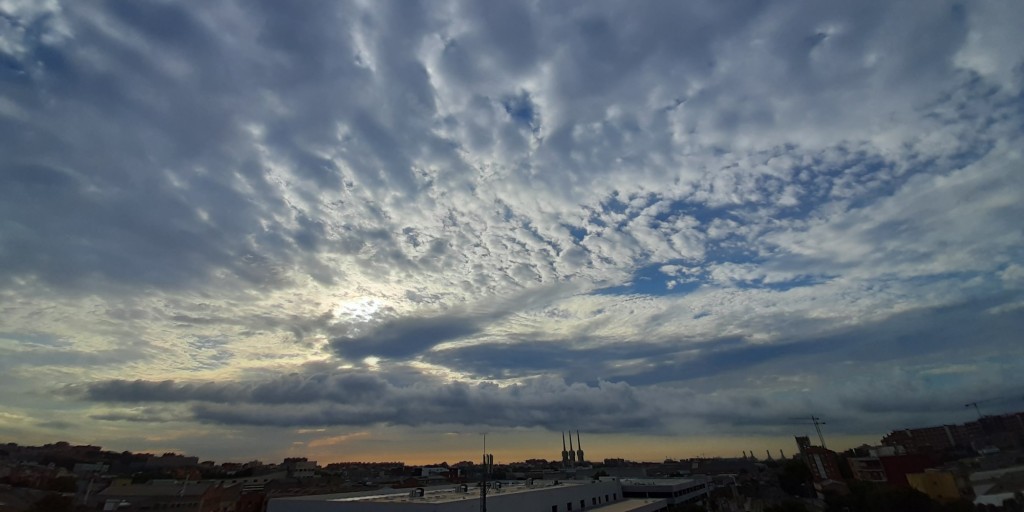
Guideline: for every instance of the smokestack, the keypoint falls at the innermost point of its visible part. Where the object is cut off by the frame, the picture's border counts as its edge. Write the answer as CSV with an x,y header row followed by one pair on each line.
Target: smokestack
x,y
769,454
572,453
579,447
565,454
744,455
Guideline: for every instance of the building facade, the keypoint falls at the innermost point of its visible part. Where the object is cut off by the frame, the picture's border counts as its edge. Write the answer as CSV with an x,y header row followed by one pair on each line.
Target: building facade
x,y
547,496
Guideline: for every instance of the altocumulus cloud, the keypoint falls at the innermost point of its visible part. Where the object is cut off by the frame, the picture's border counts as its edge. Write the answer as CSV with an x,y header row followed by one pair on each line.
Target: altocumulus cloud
x,y
659,217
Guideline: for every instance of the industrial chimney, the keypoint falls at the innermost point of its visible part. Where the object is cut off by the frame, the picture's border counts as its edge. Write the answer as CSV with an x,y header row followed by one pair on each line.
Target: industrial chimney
x,y
572,453
565,454
579,447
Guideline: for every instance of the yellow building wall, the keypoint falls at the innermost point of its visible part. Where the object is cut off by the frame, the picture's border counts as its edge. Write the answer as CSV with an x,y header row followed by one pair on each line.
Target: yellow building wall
x,y
938,485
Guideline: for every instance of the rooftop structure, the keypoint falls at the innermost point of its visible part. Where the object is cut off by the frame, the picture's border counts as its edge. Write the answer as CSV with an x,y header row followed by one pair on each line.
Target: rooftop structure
x,y
605,495
674,491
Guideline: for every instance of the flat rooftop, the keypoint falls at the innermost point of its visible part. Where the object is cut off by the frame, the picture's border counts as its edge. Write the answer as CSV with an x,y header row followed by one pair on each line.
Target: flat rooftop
x,y
438,494
662,481
630,504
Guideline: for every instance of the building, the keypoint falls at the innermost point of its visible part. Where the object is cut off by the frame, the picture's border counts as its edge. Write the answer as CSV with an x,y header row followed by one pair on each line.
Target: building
x,y
525,496
171,461
675,491
928,439
887,464
86,468
867,469
993,486
300,467
938,485
1002,432
178,497
897,467
823,463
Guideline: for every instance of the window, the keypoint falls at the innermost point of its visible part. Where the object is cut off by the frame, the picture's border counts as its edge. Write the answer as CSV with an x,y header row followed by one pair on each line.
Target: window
x,y
606,498
554,508
583,504
568,506
615,496
593,501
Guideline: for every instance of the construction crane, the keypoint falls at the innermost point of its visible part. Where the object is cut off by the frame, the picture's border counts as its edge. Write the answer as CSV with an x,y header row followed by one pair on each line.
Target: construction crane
x,y
987,400
816,421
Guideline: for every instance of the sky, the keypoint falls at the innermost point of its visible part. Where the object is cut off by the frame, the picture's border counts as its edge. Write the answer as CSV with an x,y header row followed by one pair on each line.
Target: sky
x,y
376,230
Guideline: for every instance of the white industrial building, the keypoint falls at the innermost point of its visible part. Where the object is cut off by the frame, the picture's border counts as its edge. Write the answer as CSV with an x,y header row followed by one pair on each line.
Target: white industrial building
x,y
538,496
675,491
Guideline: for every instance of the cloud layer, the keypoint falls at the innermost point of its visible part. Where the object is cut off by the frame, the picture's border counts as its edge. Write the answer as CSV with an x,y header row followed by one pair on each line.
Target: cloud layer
x,y
658,218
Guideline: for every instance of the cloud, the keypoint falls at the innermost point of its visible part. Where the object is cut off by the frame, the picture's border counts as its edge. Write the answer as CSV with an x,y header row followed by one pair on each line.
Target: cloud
x,y
333,211
890,369
365,400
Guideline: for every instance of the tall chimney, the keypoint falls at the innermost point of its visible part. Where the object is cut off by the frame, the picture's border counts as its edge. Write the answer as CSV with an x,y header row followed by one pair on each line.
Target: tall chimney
x,y
579,447
565,454
572,453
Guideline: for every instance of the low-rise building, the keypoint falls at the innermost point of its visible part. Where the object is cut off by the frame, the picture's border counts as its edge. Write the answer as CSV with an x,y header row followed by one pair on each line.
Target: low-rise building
x,y
675,491
938,485
538,496
181,498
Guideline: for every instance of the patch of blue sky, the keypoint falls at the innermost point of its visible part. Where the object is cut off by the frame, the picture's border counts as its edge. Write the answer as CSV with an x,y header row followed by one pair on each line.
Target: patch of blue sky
x,y
521,109
577,233
703,213
650,280
613,204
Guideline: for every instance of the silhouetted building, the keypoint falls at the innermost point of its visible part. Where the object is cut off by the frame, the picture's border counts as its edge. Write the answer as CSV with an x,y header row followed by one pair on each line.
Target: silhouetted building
x,y
823,463
1003,432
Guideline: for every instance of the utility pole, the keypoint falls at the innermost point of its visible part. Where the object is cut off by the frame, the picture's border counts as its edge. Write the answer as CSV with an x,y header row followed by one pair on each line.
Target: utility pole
x,y
483,479
488,462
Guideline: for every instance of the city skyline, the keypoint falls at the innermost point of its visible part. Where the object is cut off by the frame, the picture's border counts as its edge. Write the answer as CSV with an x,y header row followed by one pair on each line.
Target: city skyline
x,y
384,228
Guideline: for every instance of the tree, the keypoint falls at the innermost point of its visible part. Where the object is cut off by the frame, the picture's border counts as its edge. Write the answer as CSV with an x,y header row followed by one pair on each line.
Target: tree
x,y
795,478
787,506
869,497
53,503
62,484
